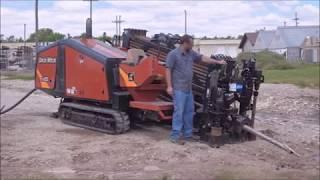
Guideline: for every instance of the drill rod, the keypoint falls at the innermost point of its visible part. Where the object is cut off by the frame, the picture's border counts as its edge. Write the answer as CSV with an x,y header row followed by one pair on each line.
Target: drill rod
x,y
269,139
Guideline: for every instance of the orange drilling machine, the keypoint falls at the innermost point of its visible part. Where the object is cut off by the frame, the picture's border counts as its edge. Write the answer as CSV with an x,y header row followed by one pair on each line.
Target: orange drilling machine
x,y
100,84
107,88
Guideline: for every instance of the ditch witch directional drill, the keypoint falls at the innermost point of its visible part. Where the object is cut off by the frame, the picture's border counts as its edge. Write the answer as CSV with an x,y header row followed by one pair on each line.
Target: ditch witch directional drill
x,y
106,89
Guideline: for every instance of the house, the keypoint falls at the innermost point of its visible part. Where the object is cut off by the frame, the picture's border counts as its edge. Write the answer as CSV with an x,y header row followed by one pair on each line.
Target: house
x,y
288,40
263,40
248,41
310,49
209,47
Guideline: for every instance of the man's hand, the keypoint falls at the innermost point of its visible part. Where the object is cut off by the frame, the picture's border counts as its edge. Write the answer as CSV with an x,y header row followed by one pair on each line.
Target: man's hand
x,y
169,90
221,62
208,60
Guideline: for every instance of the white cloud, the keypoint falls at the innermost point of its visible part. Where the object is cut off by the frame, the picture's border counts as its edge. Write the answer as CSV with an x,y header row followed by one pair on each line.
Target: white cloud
x,y
285,6
71,5
308,14
208,18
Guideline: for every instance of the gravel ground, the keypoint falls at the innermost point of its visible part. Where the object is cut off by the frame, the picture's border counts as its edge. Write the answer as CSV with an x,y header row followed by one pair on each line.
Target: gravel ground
x,y
34,145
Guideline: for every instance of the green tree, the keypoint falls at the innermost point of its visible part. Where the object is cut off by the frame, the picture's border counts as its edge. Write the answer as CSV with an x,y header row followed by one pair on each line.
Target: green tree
x,y
240,36
46,35
204,37
20,39
104,37
11,38
83,35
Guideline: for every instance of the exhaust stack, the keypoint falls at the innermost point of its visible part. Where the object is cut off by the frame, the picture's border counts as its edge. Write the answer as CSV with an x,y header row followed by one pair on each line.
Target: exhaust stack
x,y
89,28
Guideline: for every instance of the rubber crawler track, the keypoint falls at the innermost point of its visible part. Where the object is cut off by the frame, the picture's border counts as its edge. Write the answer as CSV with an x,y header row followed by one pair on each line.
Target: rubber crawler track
x,y
95,118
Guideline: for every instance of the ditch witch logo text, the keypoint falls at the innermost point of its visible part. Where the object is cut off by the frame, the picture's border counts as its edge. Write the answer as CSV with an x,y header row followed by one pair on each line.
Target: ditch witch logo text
x,y
47,60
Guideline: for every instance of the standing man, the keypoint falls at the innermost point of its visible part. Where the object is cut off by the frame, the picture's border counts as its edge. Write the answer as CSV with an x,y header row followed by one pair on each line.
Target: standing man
x,y
179,75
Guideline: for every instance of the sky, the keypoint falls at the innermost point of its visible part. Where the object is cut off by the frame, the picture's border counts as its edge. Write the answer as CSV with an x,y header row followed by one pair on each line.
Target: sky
x,y
204,18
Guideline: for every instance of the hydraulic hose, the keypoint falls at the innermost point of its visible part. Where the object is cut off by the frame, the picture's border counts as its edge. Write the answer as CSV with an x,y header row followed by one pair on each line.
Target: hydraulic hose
x,y
16,104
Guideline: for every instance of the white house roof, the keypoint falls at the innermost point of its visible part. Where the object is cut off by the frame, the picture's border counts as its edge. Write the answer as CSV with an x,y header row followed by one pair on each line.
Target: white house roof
x,y
264,39
292,36
250,37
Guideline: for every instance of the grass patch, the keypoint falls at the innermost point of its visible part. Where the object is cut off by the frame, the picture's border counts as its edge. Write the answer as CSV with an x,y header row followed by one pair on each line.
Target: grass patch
x,y
277,70
26,76
20,77
268,60
302,76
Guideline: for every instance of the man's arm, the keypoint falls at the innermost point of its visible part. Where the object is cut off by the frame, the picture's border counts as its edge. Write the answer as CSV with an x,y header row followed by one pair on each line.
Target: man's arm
x,y
201,58
170,62
208,60
169,83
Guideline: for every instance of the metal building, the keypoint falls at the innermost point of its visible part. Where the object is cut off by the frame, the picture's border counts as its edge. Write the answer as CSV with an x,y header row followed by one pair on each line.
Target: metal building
x,y
217,46
288,40
310,49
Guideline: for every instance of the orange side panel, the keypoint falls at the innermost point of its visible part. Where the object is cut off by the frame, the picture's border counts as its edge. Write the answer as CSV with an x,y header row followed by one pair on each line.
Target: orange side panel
x,y
46,69
152,105
157,106
85,77
140,72
145,81
135,76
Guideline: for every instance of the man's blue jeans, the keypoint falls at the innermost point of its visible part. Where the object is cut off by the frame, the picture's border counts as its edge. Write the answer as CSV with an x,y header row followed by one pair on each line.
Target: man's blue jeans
x,y
182,122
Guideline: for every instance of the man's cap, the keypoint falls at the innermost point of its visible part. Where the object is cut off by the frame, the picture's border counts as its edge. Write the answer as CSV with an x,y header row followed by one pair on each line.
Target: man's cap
x,y
186,39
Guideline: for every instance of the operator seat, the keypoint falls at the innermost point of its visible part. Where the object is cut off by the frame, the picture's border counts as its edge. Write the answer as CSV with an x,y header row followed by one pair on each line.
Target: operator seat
x,y
134,56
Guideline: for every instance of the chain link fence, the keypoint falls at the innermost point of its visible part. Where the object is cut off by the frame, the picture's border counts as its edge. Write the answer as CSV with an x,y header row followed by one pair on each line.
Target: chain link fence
x,y
17,56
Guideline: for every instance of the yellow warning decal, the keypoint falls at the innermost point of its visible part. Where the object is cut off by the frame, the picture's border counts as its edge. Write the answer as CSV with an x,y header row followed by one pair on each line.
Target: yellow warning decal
x,y
43,84
126,80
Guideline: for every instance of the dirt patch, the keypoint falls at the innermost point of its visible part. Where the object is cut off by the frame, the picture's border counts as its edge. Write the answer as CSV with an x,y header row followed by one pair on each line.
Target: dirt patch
x,y
269,132
82,157
80,132
37,146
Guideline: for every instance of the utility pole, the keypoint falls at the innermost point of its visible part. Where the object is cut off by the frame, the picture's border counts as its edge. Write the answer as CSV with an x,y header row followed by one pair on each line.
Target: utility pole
x,y
296,18
37,28
24,45
185,21
24,34
90,12
118,22
116,35
90,7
